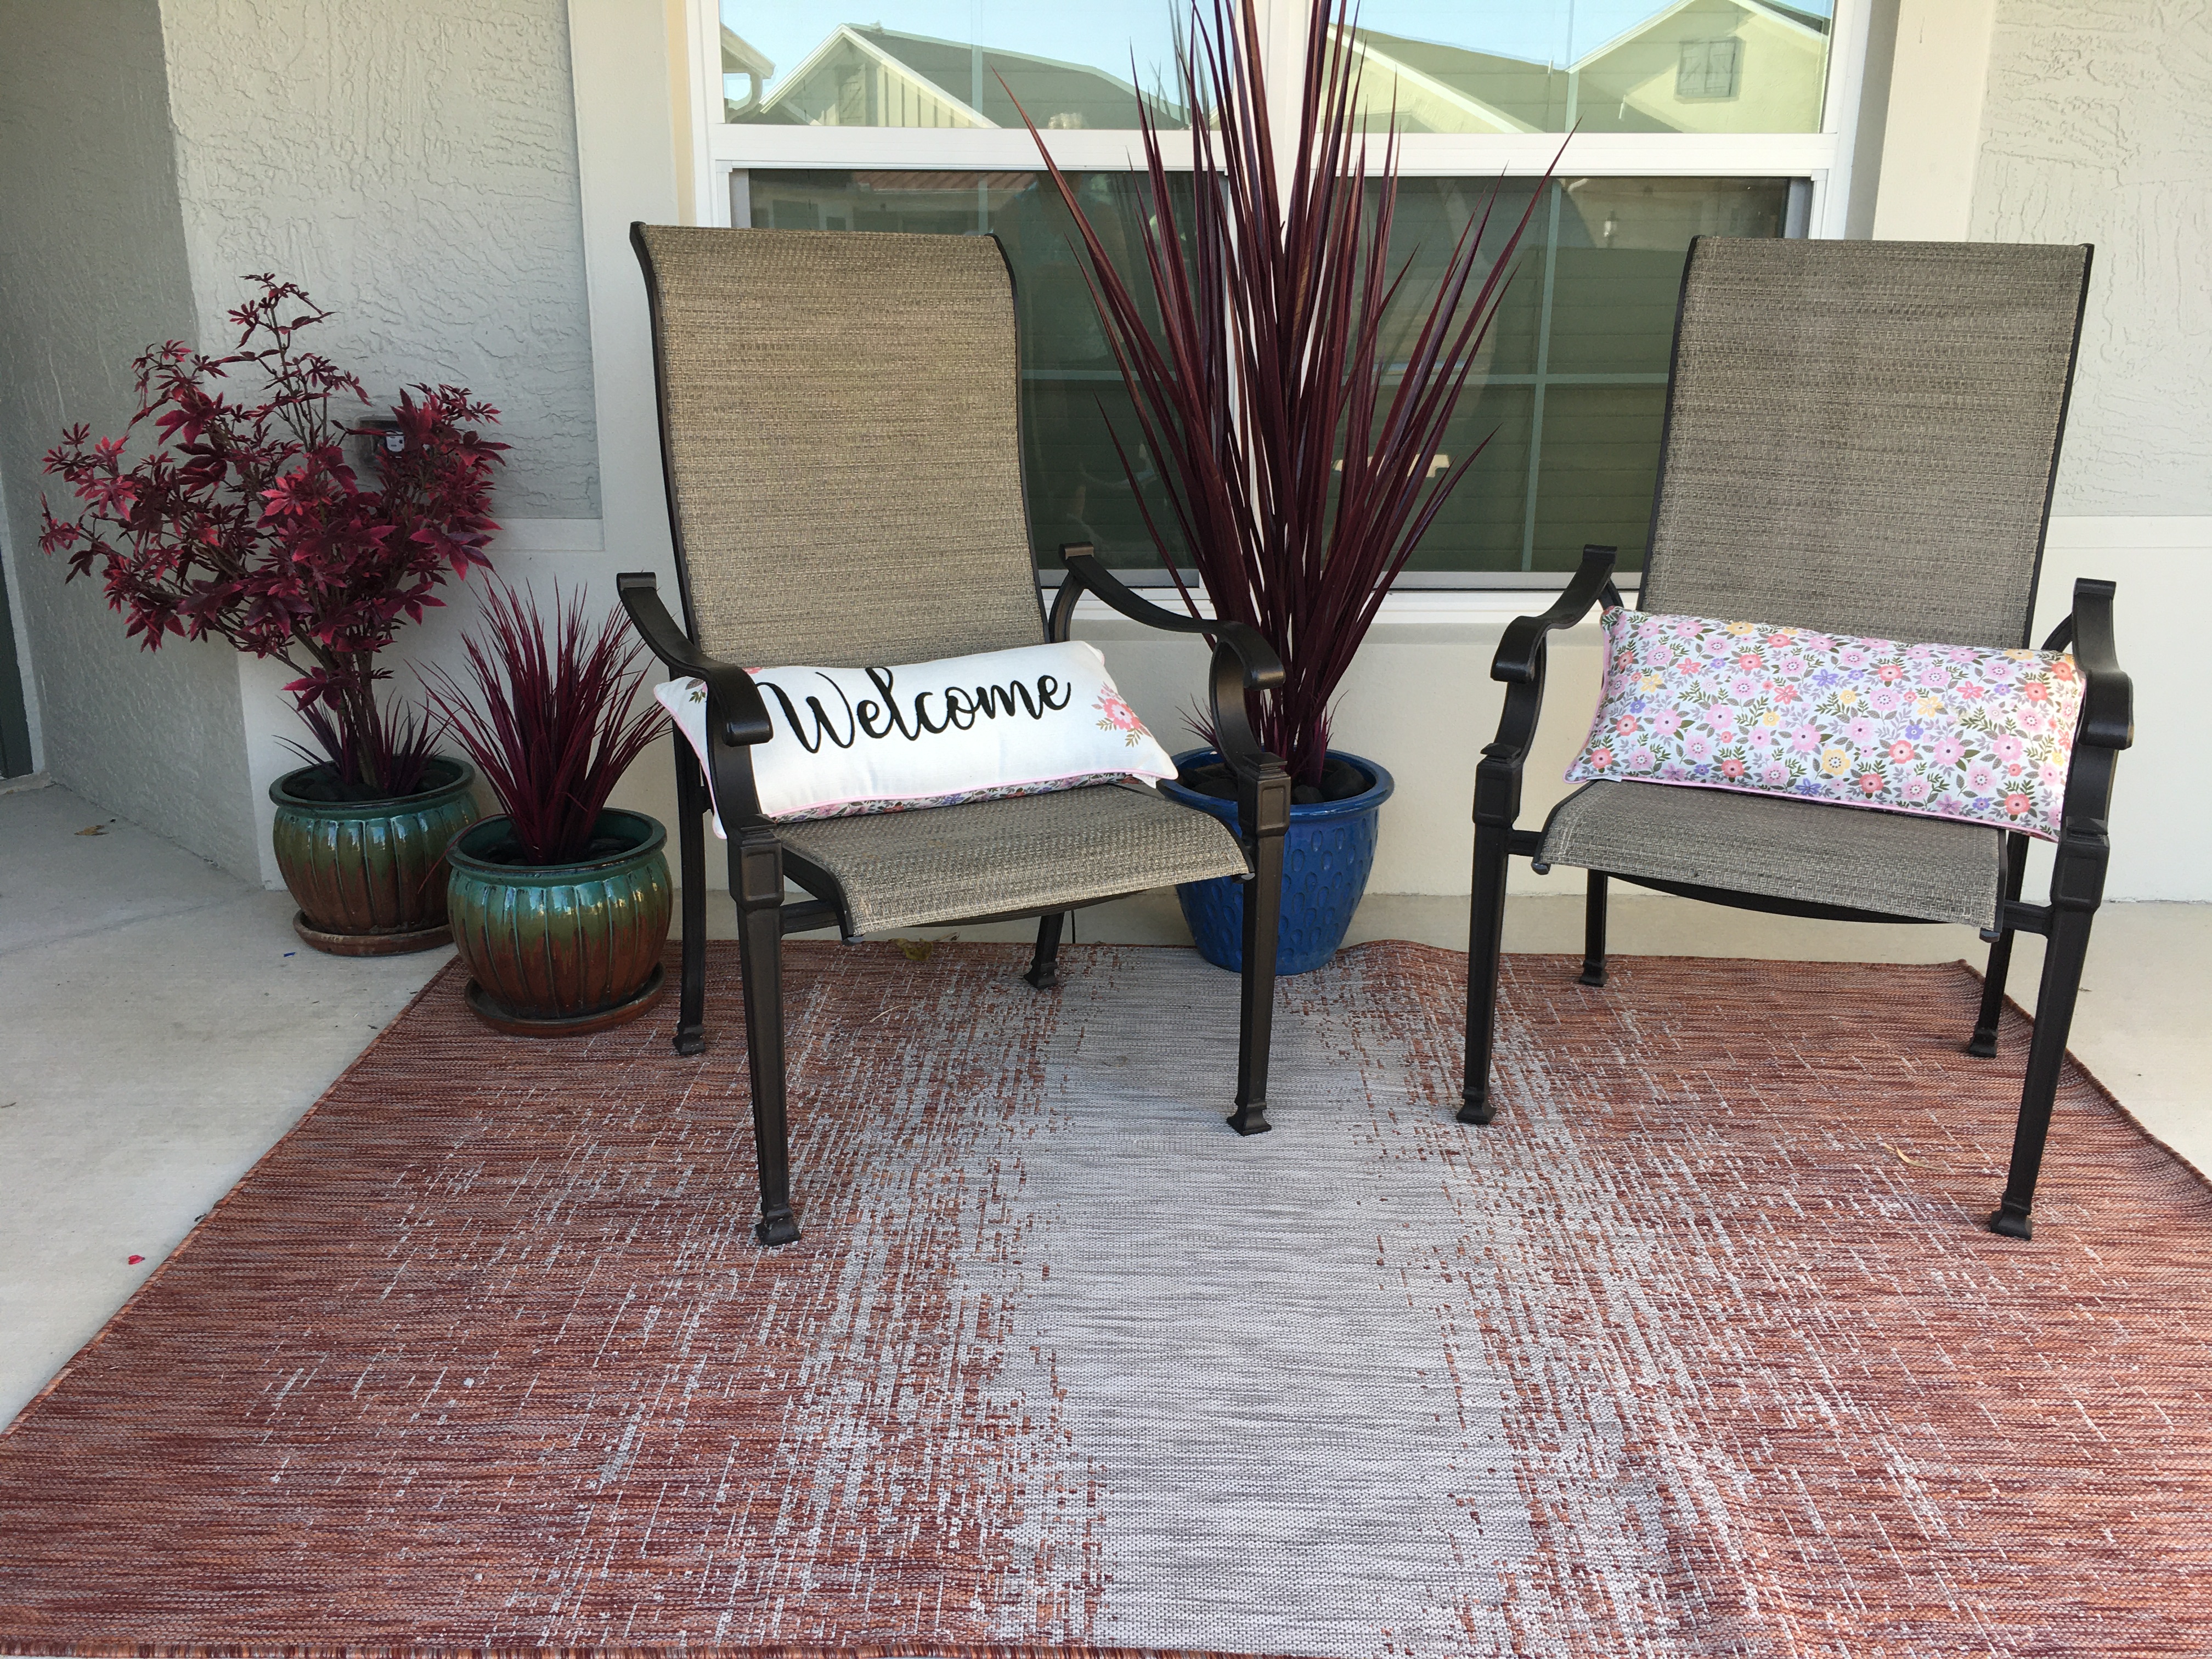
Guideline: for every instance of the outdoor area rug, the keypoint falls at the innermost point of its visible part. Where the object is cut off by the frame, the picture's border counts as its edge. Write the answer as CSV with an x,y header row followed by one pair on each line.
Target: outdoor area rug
x,y
1701,1349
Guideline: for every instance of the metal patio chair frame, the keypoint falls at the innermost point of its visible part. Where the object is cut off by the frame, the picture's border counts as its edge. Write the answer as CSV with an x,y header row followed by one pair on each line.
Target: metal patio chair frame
x,y
762,853
2083,849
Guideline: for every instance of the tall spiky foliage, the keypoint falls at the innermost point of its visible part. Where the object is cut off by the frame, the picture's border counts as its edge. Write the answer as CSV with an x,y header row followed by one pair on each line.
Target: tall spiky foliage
x,y
1270,362
549,719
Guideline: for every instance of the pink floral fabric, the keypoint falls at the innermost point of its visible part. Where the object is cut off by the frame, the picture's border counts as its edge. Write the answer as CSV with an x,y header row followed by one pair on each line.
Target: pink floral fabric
x,y
1941,731
1120,717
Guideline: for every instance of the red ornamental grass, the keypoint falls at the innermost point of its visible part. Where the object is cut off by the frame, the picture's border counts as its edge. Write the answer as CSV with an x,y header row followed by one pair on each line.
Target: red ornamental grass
x,y
244,522
1272,361
551,723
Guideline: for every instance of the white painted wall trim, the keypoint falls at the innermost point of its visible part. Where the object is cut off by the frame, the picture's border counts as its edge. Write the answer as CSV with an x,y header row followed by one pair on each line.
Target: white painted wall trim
x,y
549,535
2072,533
1933,137
620,52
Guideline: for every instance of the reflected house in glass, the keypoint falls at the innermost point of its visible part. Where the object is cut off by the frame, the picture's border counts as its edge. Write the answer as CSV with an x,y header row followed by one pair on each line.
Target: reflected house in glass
x,y
1696,66
742,61
866,75
1560,431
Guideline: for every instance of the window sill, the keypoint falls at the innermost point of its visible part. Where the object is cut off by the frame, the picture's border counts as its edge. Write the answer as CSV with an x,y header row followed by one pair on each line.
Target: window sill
x,y
1409,617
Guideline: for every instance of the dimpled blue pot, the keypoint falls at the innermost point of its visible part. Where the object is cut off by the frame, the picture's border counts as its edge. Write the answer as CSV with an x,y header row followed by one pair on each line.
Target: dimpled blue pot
x,y
1326,854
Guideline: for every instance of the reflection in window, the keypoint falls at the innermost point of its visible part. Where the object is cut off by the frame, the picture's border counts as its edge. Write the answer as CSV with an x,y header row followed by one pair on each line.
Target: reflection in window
x,y
1493,66
1594,65
1708,69
1560,422
787,63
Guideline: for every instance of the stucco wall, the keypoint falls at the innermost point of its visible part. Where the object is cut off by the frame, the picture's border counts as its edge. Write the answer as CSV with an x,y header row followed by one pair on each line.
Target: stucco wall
x,y
92,269
412,164
2096,127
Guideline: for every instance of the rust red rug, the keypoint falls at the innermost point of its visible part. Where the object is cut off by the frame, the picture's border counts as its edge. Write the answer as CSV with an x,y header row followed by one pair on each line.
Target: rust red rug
x,y
1699,1350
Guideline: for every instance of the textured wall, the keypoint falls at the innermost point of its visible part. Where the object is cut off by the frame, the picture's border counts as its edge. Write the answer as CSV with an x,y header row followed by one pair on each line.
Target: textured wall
x,y
2097,127
412,163
93,268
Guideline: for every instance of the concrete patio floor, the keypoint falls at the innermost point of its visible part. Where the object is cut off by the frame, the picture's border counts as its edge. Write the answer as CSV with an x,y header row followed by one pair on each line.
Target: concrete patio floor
x,y
163,1027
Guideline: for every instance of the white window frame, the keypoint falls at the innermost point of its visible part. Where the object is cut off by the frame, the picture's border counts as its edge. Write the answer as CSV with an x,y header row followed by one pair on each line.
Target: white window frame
x,y
723,153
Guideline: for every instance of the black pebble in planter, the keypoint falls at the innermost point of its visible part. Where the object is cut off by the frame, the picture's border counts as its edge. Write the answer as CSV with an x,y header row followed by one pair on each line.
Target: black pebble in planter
x,y
557,949
1326,855
369,876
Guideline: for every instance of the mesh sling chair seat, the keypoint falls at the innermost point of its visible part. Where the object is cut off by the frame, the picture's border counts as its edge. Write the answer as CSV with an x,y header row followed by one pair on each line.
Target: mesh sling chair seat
x,y
1861,438
1807,853
841,440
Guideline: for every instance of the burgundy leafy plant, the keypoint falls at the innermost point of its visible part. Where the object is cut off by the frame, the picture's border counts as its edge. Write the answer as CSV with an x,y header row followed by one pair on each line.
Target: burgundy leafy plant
x,y
1276,343
244,522
551,723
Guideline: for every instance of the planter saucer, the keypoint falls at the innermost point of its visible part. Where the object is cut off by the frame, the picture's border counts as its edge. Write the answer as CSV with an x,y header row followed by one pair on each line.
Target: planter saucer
x,y
371,944
496,1014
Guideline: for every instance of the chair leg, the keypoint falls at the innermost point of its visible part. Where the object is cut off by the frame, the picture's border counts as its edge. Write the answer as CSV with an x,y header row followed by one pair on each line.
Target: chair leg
x,y
1984,1042
691,857
1044,966
756,882
1485,932
2063,955
1594,928
1265,812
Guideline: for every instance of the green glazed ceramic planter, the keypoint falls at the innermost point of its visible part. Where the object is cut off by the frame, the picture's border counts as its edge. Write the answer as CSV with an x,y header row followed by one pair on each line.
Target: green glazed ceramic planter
x,y
558,949
369,877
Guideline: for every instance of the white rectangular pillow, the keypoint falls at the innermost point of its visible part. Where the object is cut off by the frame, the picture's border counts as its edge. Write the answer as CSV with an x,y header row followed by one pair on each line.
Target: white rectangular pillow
x,y
853,740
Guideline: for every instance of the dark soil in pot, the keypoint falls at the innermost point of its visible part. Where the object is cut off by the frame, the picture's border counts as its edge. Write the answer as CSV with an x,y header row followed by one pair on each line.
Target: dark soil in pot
x,y
1340,780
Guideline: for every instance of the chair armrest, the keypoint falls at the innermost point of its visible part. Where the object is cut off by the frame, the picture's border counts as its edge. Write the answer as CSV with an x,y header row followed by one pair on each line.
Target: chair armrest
x,y
1243,661
744,714
2107,694
1262,668
737,716
1516,660
1520,659
2105,727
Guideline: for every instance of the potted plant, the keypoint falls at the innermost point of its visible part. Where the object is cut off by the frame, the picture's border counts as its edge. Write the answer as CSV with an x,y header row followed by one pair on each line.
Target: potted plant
x,y
243,520
560,905
1301,480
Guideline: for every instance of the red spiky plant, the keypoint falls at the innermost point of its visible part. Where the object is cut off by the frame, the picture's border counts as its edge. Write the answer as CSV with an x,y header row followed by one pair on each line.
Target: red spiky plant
x,y
244,521
1277,333
549,719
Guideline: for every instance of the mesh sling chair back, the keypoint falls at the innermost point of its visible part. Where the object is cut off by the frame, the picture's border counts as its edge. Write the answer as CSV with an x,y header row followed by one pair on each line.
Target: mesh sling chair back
x,y
841,440
1861,438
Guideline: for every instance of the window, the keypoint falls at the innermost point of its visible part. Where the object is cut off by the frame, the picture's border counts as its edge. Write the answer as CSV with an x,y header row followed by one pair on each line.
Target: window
x,y
1707,69
1700,116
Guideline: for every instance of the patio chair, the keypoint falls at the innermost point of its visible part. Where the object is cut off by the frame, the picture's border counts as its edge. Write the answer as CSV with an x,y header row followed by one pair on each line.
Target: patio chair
x,y
840,434
1861,438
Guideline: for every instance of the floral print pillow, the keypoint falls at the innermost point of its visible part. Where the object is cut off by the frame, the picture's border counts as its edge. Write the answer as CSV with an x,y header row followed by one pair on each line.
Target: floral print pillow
x,y
1942,731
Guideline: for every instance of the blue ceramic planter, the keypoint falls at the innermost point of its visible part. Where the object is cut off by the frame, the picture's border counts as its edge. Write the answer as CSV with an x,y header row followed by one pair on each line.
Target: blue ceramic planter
x,y
1326,855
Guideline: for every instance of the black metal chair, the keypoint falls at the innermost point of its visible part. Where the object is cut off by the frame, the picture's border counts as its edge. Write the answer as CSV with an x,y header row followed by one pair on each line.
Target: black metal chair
x,y
1861,438
840,433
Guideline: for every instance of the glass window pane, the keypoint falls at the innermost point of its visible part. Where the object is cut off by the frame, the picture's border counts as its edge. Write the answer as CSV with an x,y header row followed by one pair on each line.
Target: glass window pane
x,y
1559,430
1583,336
948,63
1600,459
1594,65
1073,402
1484,522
